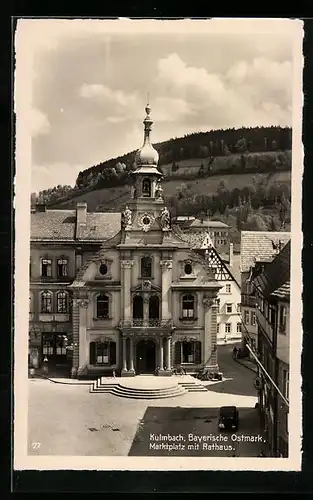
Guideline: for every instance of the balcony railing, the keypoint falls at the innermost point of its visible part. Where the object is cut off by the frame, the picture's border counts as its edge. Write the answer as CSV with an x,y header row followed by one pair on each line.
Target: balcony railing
x,y
146,323
52,317
248,300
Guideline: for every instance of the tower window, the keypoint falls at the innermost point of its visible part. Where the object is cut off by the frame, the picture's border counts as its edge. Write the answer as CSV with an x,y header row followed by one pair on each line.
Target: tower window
x,y
146,188
146,267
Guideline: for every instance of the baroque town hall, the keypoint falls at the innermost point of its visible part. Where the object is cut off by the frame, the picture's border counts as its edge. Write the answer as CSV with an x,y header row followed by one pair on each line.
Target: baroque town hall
x,y
123,293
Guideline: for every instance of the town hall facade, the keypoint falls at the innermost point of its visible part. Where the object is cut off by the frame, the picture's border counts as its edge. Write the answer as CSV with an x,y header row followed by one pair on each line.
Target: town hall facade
x,y
133,298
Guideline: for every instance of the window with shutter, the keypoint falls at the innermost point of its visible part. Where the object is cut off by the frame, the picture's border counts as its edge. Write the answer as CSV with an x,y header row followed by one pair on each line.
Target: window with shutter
x,y
198,352
112,353
92,353
178,353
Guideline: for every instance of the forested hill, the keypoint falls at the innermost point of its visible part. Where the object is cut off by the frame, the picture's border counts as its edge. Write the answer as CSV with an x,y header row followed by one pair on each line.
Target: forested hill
x,y
201,145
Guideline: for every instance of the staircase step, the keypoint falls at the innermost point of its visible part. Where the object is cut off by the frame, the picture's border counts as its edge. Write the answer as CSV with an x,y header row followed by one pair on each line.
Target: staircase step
x,y
103,385
193,387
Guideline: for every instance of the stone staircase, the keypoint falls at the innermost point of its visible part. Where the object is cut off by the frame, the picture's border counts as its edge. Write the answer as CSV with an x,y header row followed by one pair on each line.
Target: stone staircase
x,y
193,386
145,387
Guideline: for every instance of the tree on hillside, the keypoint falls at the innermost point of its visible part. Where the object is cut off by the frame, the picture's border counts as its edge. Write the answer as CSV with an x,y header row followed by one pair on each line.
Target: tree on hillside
x,y
255,223
284,210
222,186
275,224
241,145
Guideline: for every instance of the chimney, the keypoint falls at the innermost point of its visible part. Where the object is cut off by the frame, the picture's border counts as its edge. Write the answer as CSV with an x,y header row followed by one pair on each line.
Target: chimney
x,y
81,213
81,217
231,254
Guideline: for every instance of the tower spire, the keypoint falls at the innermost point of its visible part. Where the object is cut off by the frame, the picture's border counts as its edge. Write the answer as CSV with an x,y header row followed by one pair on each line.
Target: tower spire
x,y
147,123
147,155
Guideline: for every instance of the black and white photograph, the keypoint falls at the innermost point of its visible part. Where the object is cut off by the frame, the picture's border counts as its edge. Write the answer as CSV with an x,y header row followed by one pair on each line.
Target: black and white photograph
x,y
158,244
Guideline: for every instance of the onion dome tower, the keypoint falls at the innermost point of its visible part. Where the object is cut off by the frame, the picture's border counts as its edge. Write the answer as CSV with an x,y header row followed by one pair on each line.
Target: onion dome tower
x,y
146,174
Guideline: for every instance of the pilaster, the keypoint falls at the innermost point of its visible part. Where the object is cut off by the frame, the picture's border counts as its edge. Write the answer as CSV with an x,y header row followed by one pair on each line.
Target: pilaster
x,y
166,266
126,304
80,352
131,356
209,354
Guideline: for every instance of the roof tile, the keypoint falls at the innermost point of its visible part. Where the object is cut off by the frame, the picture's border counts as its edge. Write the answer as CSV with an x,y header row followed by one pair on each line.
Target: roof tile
x,y
55,225
260,246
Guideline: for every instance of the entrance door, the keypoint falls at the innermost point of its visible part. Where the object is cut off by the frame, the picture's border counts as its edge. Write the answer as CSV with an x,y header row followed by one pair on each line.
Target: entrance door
x,y
55,347
145,356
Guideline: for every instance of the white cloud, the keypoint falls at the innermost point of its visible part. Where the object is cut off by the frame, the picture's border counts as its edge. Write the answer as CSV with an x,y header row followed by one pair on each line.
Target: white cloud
x,y
118,97
169,109
39,123
250,93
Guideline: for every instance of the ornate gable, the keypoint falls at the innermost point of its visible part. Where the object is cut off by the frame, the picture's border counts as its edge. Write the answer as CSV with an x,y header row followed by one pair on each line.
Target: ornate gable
x,y
146,286
216,266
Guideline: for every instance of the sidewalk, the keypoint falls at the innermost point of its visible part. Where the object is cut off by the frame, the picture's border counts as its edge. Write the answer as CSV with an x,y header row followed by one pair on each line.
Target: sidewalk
x,y
59,380
247,363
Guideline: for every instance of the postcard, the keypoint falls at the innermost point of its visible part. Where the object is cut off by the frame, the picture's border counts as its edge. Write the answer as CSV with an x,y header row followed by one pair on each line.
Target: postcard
x,y
158,244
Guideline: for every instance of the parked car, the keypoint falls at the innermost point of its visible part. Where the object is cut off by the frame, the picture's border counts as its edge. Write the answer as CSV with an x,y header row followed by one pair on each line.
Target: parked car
x,y
228,418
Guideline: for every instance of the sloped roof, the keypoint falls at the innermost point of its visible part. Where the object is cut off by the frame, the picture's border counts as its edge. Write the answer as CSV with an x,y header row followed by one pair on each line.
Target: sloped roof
x,y
208,224
235,268
259,246
273,275
56,225
196,241
283,292
100,226
53,225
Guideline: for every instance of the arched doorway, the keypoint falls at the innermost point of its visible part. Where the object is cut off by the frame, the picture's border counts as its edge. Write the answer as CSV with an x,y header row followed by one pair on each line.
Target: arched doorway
x,y
154,307
138,307
145,356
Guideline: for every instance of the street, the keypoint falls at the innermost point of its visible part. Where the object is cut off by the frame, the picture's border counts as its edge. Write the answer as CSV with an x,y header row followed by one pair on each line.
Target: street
x,y
66,419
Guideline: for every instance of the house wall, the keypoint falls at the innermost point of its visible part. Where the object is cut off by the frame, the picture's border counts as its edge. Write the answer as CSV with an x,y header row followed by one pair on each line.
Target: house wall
x,y
282,410
283,334
49,252
233,298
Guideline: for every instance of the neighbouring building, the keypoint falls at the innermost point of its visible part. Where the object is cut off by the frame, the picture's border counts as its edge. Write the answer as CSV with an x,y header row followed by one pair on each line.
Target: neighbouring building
x,y
226,269
217,230
271,282
121,292
282,295
255,247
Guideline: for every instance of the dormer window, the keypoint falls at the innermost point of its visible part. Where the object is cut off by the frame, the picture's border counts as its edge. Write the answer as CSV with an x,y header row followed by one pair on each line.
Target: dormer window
x,y
146,188
188,268
103,269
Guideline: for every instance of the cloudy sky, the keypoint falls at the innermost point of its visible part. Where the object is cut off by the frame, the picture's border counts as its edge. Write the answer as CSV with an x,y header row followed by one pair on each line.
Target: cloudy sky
x,y
90,81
